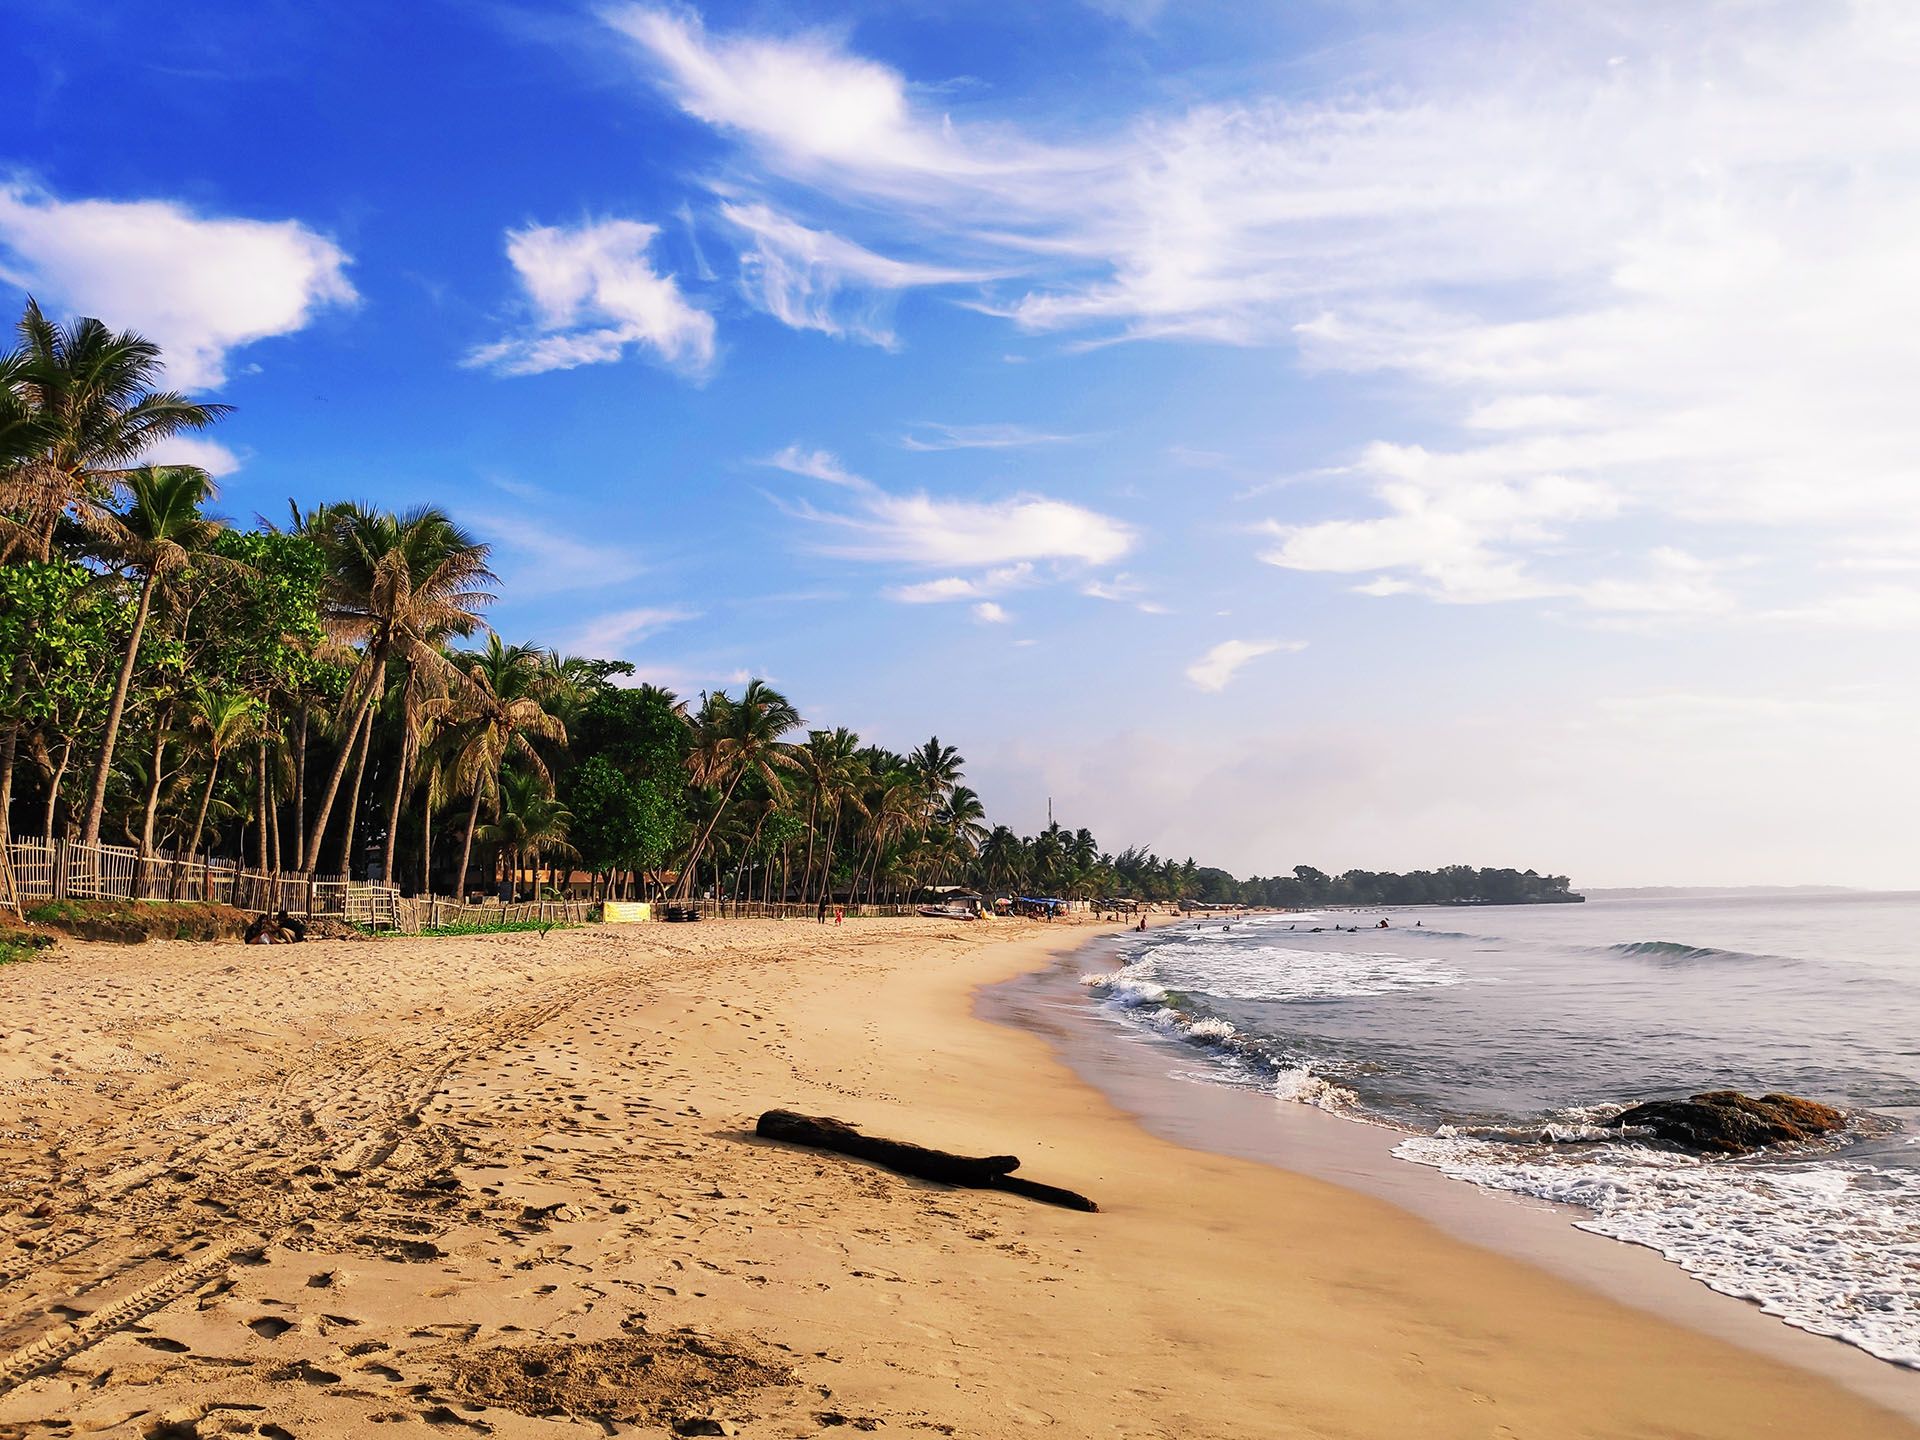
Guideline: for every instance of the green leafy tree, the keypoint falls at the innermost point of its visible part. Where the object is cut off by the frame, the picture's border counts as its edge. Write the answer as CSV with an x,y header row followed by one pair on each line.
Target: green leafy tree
x,y
61,629
160,532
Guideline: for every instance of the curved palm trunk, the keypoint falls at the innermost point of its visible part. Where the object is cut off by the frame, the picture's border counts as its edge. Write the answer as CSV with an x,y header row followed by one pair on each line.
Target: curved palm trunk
x,y
97,791
156,778
826,859
353,799
393,814
813,816
260,808
9,753
300,794
311,846
200,824
693,860
466,846
426,843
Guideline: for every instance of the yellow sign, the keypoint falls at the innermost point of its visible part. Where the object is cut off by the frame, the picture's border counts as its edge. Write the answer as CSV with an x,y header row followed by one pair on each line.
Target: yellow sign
x,y
616,912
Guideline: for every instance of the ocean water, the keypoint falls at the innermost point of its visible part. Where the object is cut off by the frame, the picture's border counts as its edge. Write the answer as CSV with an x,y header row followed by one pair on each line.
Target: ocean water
x,y
1498,1038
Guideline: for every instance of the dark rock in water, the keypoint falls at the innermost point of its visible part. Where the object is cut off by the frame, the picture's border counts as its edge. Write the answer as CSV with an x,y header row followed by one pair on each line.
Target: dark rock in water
x,y
1725,1122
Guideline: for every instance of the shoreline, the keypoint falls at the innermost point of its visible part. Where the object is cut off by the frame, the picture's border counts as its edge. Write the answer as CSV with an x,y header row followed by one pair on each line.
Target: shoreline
x,y
1143,1075
434,1184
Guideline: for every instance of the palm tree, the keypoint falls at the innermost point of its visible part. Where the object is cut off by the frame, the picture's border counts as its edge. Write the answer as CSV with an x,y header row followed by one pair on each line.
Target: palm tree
x,y
225,718
26,432
398,584
160,532
937,766
1000,857
738,738
503,715
895,813
830,763
962,818
530,822
96,412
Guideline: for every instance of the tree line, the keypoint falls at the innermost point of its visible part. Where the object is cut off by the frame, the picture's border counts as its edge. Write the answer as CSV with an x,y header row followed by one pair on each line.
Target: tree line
x,y
321,694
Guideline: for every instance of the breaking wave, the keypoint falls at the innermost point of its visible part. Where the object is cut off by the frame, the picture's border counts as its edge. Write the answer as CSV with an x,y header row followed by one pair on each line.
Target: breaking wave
x,y
1826,1245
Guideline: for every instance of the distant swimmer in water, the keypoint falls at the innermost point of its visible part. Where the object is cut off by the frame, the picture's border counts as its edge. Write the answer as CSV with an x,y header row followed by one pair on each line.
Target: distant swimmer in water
x,y
1418,924
1318,928
1383,925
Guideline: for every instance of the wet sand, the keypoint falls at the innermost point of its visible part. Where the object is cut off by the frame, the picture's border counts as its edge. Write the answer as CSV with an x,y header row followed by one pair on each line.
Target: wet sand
x,y
506,1185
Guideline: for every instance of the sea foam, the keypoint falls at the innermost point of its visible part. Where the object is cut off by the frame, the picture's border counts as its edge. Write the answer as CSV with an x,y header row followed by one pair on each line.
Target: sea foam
x,y
1830,1246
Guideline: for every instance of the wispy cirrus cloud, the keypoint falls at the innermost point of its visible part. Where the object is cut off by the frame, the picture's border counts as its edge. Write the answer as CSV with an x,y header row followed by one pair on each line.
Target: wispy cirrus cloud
x,y
202,286
1002,540
1123,589
958,587
815,280
611,634
1215,670
547,560
1645,271
595,297
930,435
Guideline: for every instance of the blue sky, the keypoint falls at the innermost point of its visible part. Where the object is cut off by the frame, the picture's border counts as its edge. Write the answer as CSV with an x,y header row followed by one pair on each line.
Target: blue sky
x,y
1313,433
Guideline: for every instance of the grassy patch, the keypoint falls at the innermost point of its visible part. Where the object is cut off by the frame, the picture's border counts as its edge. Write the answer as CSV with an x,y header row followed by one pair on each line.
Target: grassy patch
x,y
21,945
484,927
130,922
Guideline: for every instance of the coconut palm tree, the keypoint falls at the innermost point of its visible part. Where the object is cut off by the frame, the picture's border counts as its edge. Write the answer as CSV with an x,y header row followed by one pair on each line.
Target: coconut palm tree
x,y
1000,857
161,531
224,719
26,433
530,821
961,821
499,712
96,413
893,818
737,738
830,764
399,584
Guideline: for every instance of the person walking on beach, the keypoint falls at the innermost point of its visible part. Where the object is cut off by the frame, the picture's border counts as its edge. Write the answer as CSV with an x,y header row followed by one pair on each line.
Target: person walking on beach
x,y
823,908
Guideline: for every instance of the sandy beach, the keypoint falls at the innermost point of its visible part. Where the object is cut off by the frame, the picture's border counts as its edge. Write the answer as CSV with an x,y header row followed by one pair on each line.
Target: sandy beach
x,y
506,1185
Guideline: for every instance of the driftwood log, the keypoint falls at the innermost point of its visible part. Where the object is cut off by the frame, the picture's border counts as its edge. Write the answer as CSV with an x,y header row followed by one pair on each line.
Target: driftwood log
x,y
980,1172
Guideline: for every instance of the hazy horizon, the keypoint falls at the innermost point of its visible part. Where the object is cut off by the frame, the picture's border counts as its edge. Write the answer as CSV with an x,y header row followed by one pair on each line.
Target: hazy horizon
x,y
1340,437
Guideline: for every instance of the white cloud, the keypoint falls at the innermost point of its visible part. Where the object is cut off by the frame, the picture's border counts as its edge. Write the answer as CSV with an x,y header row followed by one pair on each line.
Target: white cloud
x,y
200,286
813,280
925,530
1451,526
816,465
940,533
1122,589
1882,607
210,455
988,613
935,436
608,635
959,587
595,295
812,109
1647,267
1213,670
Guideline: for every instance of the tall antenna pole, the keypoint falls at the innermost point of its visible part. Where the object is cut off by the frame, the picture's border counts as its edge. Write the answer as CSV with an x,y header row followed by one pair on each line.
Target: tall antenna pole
x,y
1049,809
